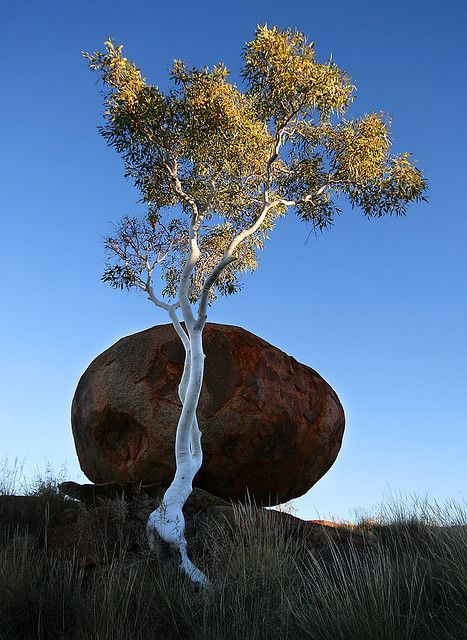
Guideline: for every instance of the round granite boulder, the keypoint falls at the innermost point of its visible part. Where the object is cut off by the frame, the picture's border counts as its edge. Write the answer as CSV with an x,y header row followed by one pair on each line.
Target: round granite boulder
x,y
271,426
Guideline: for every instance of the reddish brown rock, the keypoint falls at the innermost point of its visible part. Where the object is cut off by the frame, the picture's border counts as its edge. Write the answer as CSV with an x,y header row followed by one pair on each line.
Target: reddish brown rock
x,y
270,425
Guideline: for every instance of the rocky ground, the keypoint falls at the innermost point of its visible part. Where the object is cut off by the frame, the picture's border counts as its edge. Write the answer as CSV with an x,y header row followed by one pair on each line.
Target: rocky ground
x,y
96,523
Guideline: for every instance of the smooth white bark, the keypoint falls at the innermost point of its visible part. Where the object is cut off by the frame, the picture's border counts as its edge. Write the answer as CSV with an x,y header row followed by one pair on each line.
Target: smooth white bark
x,y
168,520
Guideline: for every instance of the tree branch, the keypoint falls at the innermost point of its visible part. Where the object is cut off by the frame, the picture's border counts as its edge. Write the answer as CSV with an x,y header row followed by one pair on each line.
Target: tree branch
x,y
177,185
209,282
228,255
279,140
171,310
227,259
194,255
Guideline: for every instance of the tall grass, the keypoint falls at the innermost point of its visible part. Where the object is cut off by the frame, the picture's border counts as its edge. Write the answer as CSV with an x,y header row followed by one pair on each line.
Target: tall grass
x,y
39,596
408,582
11,476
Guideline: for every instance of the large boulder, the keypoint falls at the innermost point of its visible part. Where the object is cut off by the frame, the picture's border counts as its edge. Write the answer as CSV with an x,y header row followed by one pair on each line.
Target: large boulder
x,y
271,425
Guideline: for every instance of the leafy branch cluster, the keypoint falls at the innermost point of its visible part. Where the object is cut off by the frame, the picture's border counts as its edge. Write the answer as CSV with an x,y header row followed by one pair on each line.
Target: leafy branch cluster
x,y
217,165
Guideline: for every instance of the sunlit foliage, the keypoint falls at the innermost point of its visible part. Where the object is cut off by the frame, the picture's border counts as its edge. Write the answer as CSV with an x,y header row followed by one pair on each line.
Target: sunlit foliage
x,y
211,156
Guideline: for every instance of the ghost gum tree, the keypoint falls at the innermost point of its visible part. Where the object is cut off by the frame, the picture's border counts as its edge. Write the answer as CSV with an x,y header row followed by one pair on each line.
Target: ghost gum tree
x,y
217,165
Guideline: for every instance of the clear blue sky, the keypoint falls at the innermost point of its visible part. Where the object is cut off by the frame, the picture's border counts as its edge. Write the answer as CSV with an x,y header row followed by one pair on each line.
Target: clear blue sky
x,y
378,308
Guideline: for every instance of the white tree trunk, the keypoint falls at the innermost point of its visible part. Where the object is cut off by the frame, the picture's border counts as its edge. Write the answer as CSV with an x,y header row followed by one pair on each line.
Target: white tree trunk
x,y
168,520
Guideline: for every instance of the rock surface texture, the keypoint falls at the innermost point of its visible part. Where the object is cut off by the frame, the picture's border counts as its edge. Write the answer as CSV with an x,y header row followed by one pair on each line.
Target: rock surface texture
x,y
271,426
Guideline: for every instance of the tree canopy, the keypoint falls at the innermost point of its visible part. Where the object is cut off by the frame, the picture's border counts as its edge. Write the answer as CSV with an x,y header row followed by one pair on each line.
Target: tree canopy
x,y
223,162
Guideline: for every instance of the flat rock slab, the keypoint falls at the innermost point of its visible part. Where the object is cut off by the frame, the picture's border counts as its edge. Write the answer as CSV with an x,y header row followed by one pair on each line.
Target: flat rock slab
x,y
271,425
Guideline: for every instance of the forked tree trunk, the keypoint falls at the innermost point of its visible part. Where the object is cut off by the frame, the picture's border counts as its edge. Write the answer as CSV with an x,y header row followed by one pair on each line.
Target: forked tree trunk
x,y
168,520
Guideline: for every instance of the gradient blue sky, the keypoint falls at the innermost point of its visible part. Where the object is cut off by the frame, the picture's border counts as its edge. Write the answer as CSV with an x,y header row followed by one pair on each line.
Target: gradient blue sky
x,y
378,308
